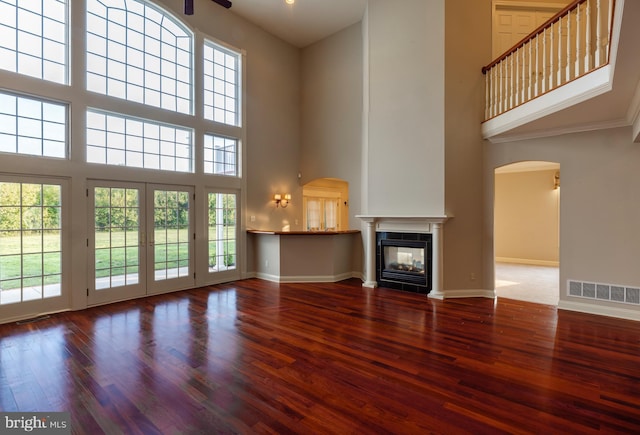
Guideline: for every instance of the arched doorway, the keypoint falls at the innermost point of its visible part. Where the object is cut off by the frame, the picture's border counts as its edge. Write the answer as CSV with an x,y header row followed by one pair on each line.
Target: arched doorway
x,y
527,231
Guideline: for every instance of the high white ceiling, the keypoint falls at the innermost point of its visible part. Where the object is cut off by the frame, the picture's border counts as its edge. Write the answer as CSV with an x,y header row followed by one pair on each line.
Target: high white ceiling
x,y
304,22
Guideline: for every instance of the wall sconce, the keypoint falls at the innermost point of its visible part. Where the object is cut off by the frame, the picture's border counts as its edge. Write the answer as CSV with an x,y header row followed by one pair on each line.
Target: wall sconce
x,y
280,201
556,180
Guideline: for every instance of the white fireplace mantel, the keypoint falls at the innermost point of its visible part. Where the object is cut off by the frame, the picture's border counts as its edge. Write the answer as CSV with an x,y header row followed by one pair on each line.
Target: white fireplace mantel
x,y
409,224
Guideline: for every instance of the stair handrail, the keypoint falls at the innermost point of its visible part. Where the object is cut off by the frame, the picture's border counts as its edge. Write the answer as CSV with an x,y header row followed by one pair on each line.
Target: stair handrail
x,y
540,63
570,7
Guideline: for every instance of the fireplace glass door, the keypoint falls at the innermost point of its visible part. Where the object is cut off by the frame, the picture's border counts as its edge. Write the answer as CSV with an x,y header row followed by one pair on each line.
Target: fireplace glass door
x,y
403,258
404,264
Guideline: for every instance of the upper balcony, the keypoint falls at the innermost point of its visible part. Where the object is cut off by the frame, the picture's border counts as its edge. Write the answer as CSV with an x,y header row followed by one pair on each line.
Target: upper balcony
x,y
579,71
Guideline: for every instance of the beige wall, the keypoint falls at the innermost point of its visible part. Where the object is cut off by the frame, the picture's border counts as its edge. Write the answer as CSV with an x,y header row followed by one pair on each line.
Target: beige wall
x,y
331,114
467,49
527,217
600,210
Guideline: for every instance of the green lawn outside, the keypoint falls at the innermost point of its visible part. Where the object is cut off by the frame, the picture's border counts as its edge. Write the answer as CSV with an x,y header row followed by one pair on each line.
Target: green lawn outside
x,y
41,257
116,253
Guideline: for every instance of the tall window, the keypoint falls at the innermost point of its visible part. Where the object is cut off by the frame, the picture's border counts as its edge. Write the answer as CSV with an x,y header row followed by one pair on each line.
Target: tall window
x,y
222,231
30,241
139,53
33,38
32,126
221,84
220,155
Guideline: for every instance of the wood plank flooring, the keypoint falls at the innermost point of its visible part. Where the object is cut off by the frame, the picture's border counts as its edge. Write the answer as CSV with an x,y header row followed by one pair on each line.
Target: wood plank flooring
x,y
258,357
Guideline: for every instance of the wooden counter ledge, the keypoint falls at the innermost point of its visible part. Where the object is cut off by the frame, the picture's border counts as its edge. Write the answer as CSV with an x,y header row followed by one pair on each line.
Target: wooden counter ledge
x,y
302,233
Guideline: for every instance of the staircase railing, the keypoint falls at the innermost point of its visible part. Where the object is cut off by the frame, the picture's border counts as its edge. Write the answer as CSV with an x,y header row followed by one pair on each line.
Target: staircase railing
x,y
572,43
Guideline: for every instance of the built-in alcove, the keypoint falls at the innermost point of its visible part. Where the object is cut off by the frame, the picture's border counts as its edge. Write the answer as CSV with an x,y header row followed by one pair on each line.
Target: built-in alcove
x,y
325,205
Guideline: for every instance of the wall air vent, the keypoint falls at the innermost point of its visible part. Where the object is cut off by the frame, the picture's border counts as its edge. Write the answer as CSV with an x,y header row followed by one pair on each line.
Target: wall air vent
x,y
604,292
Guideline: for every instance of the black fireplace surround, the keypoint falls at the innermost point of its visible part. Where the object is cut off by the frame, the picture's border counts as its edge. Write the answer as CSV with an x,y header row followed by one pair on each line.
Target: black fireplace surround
x,y
413,276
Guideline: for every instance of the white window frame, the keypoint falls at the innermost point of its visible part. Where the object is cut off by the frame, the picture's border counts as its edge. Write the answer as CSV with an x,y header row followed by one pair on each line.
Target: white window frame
x,y
128,143
37,39
55,303
224,273
119,68
222,84
27,124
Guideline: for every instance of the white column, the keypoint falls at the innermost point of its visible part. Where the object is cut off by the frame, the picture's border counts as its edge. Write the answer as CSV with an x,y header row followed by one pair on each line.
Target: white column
x,y
370,254
436,262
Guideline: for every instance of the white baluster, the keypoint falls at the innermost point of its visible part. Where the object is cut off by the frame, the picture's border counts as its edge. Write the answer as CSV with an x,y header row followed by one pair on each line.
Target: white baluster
x,y
516,78
536,71
524,75
609,28
568,75
599,46
552,71
530,87
543,84
494,81
511,80
502,86
587,54
487,95
578,42
560,51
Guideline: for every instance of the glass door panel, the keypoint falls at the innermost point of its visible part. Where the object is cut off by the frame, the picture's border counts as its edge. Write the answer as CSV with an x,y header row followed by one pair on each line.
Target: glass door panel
x,y
141,240
31,246
222,232
172,240
30,242
116,244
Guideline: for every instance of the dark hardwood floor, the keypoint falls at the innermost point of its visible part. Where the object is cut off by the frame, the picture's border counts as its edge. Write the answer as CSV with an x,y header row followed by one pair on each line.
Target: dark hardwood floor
x,y
258,357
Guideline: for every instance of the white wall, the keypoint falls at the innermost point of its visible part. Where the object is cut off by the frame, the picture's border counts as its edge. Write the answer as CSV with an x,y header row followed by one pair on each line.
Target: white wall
x,y
404,118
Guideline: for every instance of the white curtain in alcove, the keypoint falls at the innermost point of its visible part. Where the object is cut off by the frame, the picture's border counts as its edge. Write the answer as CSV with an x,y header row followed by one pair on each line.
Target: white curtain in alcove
x,y
313,214
331,214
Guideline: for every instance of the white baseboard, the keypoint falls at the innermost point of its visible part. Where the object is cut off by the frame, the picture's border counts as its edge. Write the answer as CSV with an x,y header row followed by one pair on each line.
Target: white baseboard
x,y
466,293
600,310
527,261
307,278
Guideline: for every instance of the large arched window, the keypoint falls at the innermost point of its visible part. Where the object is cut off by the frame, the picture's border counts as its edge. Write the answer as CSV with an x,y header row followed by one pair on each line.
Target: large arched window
x,y
139,53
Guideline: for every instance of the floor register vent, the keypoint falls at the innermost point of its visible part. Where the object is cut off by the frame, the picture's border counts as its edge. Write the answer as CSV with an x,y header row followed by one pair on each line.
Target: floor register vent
x,y
604,292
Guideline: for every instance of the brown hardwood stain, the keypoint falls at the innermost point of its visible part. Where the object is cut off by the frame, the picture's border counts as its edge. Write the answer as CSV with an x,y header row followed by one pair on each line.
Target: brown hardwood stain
x,y
257,357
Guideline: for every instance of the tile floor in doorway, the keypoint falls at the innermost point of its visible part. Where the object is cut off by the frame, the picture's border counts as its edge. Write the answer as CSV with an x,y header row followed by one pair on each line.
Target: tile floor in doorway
x,y
529,283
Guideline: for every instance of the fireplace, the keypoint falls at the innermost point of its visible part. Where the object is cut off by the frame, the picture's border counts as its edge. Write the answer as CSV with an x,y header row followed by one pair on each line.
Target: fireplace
x,y
411,227
404,261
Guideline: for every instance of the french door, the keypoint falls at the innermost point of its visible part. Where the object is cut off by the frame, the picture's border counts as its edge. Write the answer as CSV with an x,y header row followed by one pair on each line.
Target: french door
x,y
140,240
34,254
